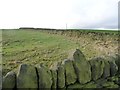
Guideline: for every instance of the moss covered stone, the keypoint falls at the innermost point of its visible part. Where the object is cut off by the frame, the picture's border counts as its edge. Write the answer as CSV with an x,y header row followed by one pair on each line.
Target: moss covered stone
x,y
97,65
83,71
106,71
45,77
76,55
27,77
61,76
81,66
9,81
54,79
69,72
113,66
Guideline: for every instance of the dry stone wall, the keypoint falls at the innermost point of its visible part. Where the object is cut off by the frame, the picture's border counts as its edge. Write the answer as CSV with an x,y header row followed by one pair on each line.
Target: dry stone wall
x,y
74,72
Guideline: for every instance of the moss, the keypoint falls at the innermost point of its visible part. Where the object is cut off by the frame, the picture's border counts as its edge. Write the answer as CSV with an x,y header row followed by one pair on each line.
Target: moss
x,y
100,82
114,79
78,85
90,85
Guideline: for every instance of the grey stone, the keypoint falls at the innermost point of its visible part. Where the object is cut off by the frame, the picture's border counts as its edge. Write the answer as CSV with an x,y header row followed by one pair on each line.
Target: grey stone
x,y
117,61
61,76
69,72
106,71
97,69
76,55
54,78
9,81
27,77
100,82
113,66
81,66
45,77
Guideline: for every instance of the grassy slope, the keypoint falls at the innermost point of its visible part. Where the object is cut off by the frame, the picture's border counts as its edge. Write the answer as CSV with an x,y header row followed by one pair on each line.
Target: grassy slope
x,y
34,47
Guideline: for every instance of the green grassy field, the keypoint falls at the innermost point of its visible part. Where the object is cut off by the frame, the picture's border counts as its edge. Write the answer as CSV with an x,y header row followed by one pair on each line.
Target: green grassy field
x,y
34,46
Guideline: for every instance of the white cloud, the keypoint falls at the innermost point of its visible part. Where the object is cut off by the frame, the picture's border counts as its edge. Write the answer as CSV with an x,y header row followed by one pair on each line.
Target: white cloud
x,y
56,13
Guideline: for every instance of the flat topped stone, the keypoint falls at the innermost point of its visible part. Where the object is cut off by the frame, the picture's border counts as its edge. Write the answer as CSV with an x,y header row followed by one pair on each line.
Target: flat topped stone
x,y
27,77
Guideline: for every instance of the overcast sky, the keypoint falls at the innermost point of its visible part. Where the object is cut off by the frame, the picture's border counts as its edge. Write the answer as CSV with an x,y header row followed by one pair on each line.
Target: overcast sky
x,y
102,14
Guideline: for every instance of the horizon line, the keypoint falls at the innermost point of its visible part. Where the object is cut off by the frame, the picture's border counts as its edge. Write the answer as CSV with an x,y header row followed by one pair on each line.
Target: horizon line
x,y
63,28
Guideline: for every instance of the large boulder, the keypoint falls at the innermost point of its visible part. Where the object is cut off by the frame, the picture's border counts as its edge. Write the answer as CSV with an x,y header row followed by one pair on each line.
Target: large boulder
x,y
45,77
69,72
9,81
97,69
61,76
27,77
81,66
